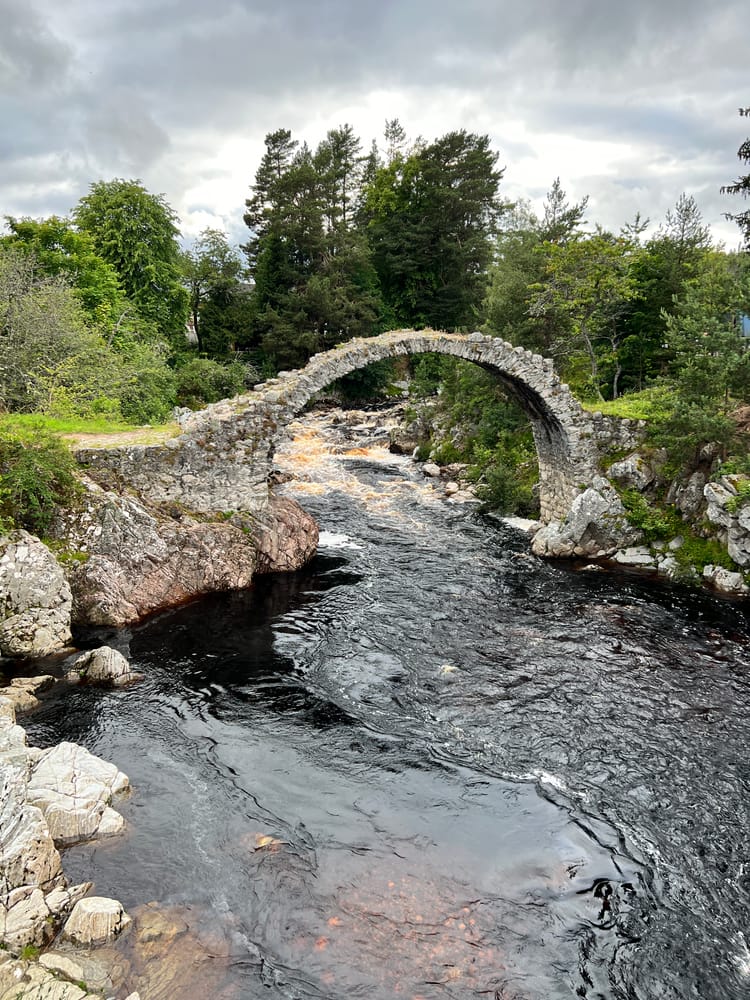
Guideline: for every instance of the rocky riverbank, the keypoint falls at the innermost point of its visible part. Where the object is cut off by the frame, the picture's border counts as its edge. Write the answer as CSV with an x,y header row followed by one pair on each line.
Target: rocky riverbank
x,y
49,800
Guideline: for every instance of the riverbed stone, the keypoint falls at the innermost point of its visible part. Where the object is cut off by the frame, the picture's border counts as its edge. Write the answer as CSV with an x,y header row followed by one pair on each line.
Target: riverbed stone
x,y
33,981
95,920
725,580
35,598
636,556
431,470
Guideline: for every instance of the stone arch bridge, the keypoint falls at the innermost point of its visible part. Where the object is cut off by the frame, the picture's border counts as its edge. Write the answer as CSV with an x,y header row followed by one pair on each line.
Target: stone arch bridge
x,y
223,458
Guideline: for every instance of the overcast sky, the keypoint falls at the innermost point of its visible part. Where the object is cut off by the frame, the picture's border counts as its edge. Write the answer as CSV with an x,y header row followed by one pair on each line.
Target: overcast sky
x,y
629,101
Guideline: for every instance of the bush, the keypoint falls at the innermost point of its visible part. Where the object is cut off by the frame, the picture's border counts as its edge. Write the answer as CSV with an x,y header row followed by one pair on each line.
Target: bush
x,y
36,476
203,381
654,522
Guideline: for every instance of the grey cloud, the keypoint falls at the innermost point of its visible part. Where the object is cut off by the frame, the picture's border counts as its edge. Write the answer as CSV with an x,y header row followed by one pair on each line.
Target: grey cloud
x,y
142,84
30,54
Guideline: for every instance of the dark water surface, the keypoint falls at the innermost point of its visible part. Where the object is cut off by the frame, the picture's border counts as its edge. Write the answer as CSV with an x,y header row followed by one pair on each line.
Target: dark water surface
x,y
432,766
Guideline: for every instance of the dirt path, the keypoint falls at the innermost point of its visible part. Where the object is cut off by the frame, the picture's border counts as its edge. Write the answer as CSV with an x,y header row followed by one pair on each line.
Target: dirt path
x,y
139,435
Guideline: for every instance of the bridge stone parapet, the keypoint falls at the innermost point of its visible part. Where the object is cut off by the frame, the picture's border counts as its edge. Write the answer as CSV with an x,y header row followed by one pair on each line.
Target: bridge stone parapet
x,y
223,458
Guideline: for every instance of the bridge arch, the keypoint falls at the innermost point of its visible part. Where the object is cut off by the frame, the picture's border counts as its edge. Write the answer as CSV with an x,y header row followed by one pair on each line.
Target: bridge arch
x,y
562,428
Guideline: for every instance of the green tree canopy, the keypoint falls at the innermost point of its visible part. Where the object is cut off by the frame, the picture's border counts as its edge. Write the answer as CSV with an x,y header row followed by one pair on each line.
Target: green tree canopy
x,y
59,248
136,232
431,219
211,273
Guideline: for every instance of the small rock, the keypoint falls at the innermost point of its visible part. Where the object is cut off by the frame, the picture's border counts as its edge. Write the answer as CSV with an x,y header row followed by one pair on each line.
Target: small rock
x,y
451,488
95,920
637,555
431,470
105,666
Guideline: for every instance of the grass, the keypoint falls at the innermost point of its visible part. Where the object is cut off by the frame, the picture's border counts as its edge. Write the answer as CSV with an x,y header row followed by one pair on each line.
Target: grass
x,y
30,425
644,405
60,425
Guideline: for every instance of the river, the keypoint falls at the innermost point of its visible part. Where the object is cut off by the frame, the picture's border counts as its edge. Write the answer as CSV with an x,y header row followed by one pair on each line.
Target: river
x,y
431,765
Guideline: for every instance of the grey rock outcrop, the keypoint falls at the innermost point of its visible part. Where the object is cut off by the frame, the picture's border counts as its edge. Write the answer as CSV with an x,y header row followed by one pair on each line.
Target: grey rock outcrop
x,y
732,519
35,599
632,472
73,789
34,893
596,526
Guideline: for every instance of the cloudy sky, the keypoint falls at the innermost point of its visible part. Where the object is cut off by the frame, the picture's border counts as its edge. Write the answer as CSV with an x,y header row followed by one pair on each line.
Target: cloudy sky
x,y
629,101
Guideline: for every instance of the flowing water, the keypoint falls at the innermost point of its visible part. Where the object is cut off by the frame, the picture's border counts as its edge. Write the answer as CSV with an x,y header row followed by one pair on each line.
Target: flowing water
x,y
432,766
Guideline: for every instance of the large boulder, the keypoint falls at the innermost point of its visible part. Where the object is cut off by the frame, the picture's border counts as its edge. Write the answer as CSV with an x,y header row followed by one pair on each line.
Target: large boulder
x,y
141,559
632,472
286,537
35,599
73,789
596,526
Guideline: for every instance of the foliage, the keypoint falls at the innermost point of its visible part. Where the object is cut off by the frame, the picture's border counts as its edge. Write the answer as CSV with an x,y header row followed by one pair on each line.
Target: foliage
x,y
315,285
36,475
41,325
655,523
59,249
211,270
485,429
711,366
203,381
588,282
742,499
136,233
695,553
431,217
368,383
648,404
742,187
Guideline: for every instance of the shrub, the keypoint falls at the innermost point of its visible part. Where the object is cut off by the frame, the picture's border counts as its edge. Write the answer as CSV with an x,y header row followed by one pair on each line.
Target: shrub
x,y
742,498
203,381
654,522
36,475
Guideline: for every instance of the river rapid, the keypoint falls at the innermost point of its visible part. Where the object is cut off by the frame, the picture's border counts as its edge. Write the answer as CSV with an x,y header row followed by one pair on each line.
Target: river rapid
x,y
431,765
